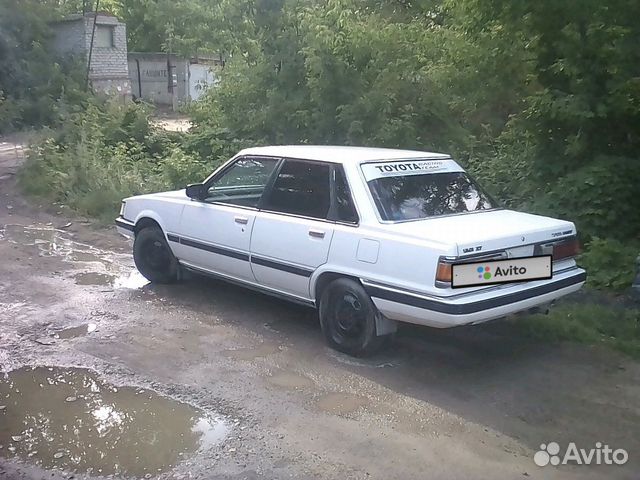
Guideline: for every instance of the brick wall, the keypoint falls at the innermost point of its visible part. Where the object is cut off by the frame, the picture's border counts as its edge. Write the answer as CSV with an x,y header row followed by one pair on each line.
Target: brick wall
x,y
109,70
108,62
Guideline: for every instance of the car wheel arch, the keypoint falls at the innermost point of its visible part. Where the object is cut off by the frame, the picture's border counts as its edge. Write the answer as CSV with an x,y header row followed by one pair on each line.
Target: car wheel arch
x,y
324,279
144,222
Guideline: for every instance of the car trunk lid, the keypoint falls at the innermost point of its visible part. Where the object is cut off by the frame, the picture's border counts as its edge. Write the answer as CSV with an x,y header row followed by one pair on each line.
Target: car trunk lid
x,y
483,232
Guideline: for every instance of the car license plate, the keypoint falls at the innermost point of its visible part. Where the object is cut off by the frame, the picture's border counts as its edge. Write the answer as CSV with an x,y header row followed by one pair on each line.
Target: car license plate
x,y
492,272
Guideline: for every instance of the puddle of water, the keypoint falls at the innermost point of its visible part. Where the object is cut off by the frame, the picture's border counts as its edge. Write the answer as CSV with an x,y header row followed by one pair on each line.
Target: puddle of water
x,y
341,403
107,268
93,278
73,332
29,235
251,353
290,380
69,419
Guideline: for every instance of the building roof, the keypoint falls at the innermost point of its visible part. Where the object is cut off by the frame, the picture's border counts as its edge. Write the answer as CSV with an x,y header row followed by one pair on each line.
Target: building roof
x,y
340,154
74,17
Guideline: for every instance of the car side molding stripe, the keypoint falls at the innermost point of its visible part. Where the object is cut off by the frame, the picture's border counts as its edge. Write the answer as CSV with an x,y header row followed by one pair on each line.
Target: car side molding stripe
x,y
285,267
214,249
473,307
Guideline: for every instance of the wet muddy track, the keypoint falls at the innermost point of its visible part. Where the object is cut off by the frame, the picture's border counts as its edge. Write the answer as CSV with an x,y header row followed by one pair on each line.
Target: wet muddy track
x,y
464,403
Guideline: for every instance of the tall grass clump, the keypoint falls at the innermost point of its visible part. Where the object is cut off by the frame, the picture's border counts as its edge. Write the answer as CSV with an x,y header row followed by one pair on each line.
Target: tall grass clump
x,y
612,325
108,152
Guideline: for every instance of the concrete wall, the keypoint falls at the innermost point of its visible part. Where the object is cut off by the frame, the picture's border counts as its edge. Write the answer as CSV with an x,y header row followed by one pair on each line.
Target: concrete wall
x,y
149,74
153,84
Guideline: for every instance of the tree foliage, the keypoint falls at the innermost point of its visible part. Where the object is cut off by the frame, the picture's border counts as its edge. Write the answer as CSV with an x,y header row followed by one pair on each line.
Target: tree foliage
x,y
36,87
541,100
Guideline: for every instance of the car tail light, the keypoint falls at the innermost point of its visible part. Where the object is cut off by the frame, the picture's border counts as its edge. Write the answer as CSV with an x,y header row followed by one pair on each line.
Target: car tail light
x,y
443,272
566,249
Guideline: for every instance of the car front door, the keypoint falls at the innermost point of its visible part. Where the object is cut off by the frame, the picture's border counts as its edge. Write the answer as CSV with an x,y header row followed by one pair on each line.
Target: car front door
x,y
291,234
215,233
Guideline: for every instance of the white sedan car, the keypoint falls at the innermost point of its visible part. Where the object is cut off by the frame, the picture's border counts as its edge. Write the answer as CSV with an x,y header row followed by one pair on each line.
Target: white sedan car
x,y
369,236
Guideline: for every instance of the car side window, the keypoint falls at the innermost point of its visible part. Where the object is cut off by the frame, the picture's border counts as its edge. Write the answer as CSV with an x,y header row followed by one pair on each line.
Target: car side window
x,y
301,188
345,210
242,183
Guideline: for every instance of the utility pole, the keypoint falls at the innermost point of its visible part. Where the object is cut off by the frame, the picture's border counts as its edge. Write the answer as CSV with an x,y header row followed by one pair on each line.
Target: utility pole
x,y
93,34
173,78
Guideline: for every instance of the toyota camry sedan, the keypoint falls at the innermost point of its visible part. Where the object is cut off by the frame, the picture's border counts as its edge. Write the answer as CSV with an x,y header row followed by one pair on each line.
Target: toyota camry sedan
x,y
369,237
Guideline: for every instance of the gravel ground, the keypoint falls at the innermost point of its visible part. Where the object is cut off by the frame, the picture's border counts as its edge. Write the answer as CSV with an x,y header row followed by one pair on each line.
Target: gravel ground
x,y
464,403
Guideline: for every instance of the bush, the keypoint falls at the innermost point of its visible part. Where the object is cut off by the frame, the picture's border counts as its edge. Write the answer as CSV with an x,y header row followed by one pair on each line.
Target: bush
x,y
610,264
107,153
601,197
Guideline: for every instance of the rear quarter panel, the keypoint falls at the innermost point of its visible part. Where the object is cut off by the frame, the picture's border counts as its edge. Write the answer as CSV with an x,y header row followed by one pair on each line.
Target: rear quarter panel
x,y
403,262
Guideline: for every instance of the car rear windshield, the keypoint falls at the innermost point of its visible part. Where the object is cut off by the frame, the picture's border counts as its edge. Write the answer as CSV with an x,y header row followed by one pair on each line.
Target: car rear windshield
x,y
410,197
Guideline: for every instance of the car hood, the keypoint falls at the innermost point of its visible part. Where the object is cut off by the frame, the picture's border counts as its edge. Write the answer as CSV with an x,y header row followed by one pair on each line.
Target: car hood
x,y
171,194
178,194
479,232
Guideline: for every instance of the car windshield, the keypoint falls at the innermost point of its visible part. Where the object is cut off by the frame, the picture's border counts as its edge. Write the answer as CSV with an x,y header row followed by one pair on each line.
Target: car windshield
x,y
410,197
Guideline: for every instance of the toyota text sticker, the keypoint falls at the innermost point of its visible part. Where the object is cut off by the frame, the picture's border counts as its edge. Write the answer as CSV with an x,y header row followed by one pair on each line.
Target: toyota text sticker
x,y
408,167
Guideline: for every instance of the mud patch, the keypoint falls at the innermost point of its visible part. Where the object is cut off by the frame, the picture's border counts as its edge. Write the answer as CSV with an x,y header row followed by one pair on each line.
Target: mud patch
x,y
69,419
84,257
391,360
251,353
341,403
290,380
73,332
93,278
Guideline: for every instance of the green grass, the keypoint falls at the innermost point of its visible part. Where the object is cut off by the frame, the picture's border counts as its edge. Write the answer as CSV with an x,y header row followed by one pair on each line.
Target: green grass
x,y
105,154
614,326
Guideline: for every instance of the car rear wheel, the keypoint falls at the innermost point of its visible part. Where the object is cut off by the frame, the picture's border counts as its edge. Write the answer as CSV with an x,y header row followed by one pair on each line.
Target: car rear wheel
x,y
348,318
153,257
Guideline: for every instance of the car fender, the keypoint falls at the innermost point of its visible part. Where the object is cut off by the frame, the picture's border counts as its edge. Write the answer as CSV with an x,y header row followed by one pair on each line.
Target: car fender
x,y
332,269
153,216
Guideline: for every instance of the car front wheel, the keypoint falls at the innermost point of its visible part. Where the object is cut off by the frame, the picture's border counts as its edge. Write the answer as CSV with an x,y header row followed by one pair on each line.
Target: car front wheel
x,y
348,318
153,257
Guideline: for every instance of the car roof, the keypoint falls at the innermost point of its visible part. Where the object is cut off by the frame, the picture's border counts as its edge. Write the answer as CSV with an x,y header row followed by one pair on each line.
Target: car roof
x,y
339,154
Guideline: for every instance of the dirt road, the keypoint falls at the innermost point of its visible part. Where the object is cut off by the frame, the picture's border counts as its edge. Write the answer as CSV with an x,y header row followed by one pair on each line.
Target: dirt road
x,y
255,379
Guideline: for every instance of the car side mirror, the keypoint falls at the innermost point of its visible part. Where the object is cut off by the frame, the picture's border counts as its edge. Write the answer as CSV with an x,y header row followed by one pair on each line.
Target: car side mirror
x,y
197,191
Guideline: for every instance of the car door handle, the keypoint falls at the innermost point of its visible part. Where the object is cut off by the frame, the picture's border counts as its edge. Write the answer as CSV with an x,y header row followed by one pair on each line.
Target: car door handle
x,y
241,220
316,233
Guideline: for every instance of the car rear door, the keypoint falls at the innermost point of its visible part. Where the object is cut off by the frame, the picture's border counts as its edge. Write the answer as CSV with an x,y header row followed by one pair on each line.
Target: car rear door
x,y
215,233
291,233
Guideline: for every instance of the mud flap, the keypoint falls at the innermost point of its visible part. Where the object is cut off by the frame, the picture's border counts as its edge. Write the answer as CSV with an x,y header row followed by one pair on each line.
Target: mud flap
x,y
385,326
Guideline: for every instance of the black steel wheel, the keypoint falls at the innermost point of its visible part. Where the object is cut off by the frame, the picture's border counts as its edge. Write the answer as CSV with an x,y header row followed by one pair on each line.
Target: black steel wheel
x,y
153,257
348,318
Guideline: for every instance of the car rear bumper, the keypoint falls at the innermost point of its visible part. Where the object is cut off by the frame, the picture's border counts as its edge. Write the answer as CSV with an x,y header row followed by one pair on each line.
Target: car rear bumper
x,y
472,307
124,227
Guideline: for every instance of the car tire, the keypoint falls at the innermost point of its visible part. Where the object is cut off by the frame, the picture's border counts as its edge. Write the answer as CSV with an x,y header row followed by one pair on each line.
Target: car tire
x,y
348,319
153,257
